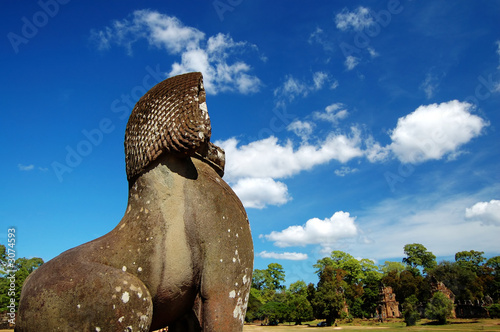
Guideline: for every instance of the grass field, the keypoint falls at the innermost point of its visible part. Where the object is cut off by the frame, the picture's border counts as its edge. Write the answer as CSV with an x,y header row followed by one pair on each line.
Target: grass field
x,y
396,325
393,326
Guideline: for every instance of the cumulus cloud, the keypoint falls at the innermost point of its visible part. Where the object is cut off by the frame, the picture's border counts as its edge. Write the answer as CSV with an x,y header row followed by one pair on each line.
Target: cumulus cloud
x,y
486,212
293,256
212,57
303,129
212,61
356,20
259,192
434,131
375,152
252,169
269,158
333,113
160,30
324,232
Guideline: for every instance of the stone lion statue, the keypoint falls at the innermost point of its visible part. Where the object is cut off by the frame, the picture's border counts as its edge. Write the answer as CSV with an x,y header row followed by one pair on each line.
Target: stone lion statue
x,y
182,255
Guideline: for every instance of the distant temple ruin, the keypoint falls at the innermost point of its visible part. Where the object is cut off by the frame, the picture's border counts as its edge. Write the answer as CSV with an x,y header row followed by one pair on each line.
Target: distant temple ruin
x,y
438,286
387,306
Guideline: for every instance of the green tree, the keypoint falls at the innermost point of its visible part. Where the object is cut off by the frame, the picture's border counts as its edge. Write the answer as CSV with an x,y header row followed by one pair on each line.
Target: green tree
x,y
275,276
370,295
328,300
19,270
410,311
439,308
494,263
470,259
311,292
273,311
255,301
258,279
418,256
298,288
271,278
493,286
392,266
340,260
357,275
300,309
463,282
494,310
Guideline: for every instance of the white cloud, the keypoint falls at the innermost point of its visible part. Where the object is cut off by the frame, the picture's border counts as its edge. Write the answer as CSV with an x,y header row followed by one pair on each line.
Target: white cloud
x,y
375,152
251,169
345,170
218,74
319,79
433,131
372,52
429,85
212,58
268,158
320,37
25,168
316,231
293,87
303,129
351,62
293,256
434,219
486,212
160,30
333,113
356,20
259,192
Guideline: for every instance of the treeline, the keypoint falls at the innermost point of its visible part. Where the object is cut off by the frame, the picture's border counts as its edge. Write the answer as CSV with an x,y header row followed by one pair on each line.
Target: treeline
x,y
13,273
349,288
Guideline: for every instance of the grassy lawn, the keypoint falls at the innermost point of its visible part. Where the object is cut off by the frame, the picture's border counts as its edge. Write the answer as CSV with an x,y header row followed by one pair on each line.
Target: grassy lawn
x,y
392,326
396,325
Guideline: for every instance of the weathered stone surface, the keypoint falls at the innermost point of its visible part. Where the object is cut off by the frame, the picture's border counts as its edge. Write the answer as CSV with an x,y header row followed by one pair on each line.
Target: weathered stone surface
x,y
182,255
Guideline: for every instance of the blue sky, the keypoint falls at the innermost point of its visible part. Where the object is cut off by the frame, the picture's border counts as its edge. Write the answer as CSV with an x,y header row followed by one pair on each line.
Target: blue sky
x,y
350,125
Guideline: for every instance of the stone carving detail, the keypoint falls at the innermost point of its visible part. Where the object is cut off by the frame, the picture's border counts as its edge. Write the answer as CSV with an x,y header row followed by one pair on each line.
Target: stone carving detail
x,y
182,255
171,117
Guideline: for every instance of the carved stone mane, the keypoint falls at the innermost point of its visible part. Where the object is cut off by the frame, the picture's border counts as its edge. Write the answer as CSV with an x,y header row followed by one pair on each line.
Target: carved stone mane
x,y
171,117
